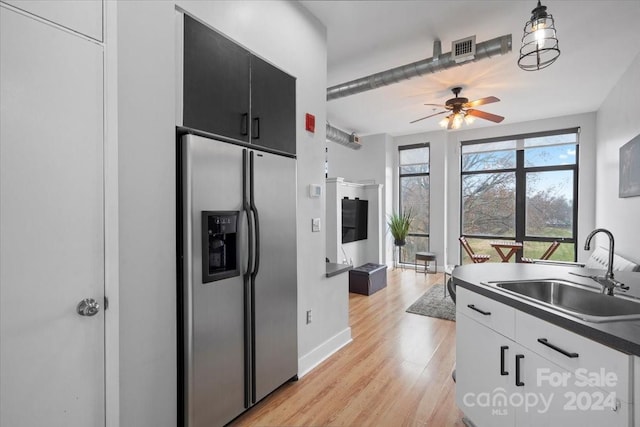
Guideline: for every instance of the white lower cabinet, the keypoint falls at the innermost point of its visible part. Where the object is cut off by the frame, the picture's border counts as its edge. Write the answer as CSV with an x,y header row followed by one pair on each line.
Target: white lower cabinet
x,y
502,382
553,396
482,387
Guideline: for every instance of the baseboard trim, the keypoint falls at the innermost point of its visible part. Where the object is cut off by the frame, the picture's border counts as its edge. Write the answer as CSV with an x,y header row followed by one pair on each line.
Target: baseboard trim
x,y
322,352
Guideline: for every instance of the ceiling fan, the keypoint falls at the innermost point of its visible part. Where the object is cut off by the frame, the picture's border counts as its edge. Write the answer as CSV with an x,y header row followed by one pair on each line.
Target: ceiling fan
x,y
460,109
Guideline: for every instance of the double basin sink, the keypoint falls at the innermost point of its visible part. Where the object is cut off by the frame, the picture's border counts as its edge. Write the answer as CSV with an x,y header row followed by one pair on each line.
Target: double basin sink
x,y
577,300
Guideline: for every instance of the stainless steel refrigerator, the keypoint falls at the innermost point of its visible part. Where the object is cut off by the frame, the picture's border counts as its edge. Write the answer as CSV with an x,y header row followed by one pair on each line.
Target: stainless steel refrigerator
x,y
238,291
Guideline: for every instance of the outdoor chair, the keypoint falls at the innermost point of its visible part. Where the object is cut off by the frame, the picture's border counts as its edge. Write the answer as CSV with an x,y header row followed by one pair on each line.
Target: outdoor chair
x,y
476,258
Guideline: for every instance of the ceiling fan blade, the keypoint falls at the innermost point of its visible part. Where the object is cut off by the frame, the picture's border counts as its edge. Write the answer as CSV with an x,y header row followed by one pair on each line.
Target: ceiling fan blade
x,y
422,118
487,116
436,105
481,101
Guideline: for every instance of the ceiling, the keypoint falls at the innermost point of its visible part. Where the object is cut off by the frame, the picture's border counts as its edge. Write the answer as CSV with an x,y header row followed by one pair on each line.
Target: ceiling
x,y
598,40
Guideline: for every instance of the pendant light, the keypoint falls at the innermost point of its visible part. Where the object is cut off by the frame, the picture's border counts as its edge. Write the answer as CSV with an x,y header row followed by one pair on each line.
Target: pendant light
x,y
539,43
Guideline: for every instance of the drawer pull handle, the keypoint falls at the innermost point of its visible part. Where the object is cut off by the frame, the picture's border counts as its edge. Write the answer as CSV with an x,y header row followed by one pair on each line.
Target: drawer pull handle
x,y
616,406
474,308
518,382
544,341
503,371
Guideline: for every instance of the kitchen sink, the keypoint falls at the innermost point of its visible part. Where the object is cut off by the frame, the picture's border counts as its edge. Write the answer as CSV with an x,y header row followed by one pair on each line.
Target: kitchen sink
x,y
576,300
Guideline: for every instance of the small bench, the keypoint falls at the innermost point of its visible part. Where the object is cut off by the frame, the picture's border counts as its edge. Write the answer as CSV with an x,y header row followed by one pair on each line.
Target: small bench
x,y
368,278
426,257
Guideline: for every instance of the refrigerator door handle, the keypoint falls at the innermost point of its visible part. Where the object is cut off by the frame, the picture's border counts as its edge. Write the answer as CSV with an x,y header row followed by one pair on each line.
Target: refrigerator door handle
x,y
254,273
249,342
256,218
247,209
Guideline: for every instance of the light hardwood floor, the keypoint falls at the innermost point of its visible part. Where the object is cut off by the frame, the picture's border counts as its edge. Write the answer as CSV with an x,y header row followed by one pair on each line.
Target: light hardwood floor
x,y
396,372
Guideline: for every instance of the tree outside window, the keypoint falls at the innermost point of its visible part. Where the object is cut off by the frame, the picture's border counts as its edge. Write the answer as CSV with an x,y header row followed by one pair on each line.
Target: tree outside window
x,y
521,188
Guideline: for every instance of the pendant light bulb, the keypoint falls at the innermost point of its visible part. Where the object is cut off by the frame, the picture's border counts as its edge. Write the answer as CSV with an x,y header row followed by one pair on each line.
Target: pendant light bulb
x,y
539,43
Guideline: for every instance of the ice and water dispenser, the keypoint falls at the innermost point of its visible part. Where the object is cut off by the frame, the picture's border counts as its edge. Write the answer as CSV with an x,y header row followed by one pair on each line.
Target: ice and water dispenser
x,y
219,245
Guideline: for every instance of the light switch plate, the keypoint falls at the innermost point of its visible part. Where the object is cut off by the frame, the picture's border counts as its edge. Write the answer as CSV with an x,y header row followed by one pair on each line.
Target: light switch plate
x,y
315,190
315,224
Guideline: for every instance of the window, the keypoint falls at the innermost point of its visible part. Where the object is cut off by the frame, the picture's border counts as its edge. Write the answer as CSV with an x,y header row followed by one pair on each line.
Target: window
x,y
414,195
521,188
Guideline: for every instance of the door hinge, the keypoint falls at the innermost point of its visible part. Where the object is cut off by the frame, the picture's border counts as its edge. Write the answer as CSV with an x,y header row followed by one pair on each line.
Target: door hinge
x,y
106,303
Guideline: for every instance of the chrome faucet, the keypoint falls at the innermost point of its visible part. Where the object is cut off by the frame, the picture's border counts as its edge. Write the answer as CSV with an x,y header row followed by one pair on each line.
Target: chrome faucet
x,y
608,282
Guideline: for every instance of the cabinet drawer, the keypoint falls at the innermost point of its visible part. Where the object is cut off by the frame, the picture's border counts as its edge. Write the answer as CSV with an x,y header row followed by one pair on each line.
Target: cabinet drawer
x,y
583,358
494,314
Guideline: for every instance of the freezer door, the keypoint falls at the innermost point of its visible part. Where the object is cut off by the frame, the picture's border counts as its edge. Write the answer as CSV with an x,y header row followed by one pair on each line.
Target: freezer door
x,y
275,290
214,312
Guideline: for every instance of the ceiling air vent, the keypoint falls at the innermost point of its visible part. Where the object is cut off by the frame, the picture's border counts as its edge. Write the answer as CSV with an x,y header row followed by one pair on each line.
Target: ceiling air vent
x,y
464,49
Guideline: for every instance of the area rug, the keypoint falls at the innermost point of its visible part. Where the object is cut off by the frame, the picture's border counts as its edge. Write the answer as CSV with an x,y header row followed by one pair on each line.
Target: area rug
x,y
433,304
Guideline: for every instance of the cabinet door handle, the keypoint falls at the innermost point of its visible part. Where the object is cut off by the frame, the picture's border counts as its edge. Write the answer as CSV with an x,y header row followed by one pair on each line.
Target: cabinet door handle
x,y
518,382
245,124
503,371
474,308
544,341
255,133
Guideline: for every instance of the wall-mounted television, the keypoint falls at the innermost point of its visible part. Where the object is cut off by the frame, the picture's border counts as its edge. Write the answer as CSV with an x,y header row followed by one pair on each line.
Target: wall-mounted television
x,y
354,219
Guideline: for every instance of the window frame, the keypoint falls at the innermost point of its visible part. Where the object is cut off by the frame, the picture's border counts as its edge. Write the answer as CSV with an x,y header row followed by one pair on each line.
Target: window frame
x,y
521,171
413,175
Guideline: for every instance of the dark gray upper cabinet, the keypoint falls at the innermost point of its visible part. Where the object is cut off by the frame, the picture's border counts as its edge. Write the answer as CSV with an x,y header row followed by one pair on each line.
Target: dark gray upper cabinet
x,y
273,107
229,92
216,82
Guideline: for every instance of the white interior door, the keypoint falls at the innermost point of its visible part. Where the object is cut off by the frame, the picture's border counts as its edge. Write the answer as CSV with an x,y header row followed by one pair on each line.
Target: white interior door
x,y
51,225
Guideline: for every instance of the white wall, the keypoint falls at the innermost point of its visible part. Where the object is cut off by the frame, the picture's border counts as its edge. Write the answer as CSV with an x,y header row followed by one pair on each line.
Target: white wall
x,y
371,164
365,164
389,190
602,134
147,214
445,175
618,122
283,33
437,187
360,252
377,160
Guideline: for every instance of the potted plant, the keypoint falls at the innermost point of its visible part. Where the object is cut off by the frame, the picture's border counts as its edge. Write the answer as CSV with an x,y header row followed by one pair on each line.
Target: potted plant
x,y
399,226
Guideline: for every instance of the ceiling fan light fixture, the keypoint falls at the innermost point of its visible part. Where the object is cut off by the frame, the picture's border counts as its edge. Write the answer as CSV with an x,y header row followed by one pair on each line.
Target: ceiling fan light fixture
x,y
457,121
539,43
469,119
460,110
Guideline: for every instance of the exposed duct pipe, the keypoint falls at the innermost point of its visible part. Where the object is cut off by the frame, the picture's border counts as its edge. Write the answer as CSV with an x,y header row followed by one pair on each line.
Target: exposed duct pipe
x,y
341,137
437,50
487,49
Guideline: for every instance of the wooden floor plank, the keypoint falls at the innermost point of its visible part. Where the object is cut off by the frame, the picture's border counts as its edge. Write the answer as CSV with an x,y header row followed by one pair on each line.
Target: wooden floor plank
x,y
396,372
